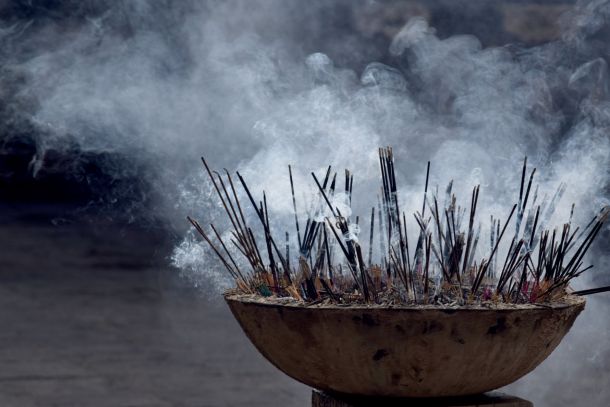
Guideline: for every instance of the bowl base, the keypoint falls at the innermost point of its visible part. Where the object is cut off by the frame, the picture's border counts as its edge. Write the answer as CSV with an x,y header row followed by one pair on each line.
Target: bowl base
x,y
321,399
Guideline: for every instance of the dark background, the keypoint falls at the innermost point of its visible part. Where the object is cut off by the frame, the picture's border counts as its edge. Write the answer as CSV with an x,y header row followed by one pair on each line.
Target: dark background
x,y
91,313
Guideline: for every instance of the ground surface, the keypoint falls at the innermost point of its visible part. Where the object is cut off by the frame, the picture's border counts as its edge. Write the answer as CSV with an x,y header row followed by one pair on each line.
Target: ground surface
x,y
91,315
93,318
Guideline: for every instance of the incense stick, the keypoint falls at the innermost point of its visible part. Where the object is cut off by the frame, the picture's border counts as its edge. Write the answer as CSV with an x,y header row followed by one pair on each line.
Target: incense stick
x,y
538,264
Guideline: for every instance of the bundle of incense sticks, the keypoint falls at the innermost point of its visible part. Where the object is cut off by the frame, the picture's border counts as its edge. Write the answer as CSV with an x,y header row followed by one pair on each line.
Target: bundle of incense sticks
x,y
441,268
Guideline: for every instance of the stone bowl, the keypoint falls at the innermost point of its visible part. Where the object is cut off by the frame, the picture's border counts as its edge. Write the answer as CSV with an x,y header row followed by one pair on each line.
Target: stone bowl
x,y
404,351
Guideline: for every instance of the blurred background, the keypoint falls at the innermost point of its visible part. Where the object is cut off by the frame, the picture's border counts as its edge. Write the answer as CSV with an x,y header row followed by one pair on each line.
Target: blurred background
x,y
105,107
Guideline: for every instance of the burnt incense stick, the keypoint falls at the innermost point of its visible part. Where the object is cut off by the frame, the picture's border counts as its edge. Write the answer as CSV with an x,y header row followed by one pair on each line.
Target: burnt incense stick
x,y
261,218
592,291
479,278
423,208
294,205
209,241
473,210
371,235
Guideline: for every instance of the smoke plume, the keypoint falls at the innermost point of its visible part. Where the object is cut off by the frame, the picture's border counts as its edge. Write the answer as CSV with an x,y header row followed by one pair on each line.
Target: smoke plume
x,y
257,85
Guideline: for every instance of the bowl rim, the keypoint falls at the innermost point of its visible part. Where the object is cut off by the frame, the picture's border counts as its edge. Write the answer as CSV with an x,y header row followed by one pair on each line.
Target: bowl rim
x,y
289,303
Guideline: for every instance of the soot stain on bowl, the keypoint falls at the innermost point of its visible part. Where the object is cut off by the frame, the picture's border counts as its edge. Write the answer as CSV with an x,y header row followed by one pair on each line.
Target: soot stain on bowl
x,y
367,319
380,354
416,373
431,327
456,336
395,379
294,324
499,327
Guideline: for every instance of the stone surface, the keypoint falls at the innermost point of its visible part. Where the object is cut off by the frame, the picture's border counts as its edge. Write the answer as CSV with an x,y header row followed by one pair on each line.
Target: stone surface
x,y
91,315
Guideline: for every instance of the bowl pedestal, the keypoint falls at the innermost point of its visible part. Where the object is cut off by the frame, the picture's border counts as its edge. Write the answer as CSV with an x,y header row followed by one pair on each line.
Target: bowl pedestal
x,y
321,399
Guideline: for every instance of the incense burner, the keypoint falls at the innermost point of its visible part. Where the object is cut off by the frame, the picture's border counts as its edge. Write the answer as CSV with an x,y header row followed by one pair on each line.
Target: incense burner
x,y
404,351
